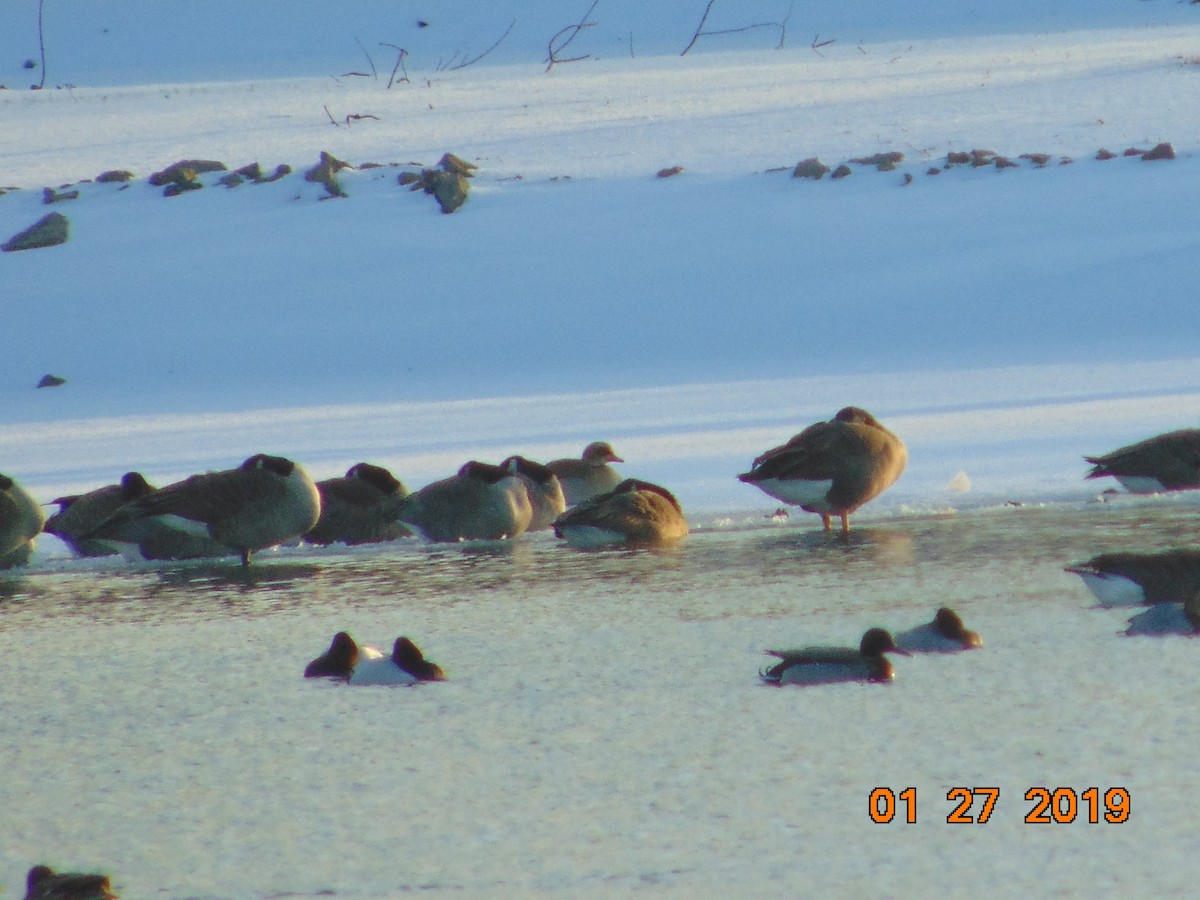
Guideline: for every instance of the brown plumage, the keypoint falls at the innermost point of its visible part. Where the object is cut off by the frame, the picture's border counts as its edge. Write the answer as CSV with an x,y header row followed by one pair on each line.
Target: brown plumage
x,y
360,507
832,468
1167,462
21,520
635,514
43,883
589,475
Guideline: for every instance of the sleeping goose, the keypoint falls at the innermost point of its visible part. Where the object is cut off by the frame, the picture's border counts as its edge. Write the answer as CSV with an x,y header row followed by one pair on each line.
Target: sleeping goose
x,y
544,489
481,502
634,514
360,507
832,468
588,475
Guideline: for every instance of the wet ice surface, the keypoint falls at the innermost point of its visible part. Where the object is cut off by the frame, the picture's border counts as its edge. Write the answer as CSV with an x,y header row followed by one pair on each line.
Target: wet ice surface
x,y
603,730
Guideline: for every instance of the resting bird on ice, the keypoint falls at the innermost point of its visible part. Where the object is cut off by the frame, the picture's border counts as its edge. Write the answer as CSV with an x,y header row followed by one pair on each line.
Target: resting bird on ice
x,y
1134,579
589,475
481,502
1167,462
827,665
634,514
832,468
263,502
21,520
346,661
360,507
545,491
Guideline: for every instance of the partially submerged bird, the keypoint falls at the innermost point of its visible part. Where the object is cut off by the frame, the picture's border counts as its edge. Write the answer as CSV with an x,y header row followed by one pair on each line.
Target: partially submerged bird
x,y
481,502
360,507
545,491
1166,462
43,883
589,475
263,502
826,665
634,514
945,634
346,661
1133,579
21,520
832,468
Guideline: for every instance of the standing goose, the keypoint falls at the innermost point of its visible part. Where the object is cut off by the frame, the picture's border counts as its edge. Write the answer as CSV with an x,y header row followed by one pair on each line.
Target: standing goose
x,y
360,507
589,475
545,490
634,514
21,520
43,883
481,502
346,661
826,665
263,502
1134,579
1167,462
945,634
832,468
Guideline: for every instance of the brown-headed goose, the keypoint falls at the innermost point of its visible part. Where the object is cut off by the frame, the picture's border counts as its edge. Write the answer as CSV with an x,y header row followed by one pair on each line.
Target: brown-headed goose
x,y
21,520
265,501
832,468
360,507
826,665
1167,462
634,514
481,502
589,475
545,491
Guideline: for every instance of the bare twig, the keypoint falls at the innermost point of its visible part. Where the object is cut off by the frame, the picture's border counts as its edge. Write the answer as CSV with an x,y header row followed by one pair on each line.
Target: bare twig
x,y
572,31
816,46
450,66
41,44
370,62
700,32
399,66
358,117
332,120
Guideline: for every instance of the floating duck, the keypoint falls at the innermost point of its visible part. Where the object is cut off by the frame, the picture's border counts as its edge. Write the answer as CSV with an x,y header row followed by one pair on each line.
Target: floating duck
x,y
589,475
832,468
360,507
634,514
1167,462
346,661
481,502
945,634
1133,579
826,665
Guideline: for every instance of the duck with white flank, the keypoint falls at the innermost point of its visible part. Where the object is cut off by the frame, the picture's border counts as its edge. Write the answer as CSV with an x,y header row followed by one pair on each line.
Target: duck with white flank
x,y
21,520
545,491
43,883
1167,462
346,661
827,665
1134,579
481,502
360,507
589,475
263,502
832,468
945,634
634,514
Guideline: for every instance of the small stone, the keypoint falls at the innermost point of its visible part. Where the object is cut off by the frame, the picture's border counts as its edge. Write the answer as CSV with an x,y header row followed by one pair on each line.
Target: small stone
x,y
1038,159
841,172
955,158
404,179
253,171
1160,151
1103,154
114,175
1003,162
232,180
48,231
459,166
174,173
810,168
325,173
50,195
933,170
51,381
669,173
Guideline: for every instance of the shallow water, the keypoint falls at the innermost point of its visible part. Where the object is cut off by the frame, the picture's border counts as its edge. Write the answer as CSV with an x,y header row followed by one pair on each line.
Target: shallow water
x,y
603,731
